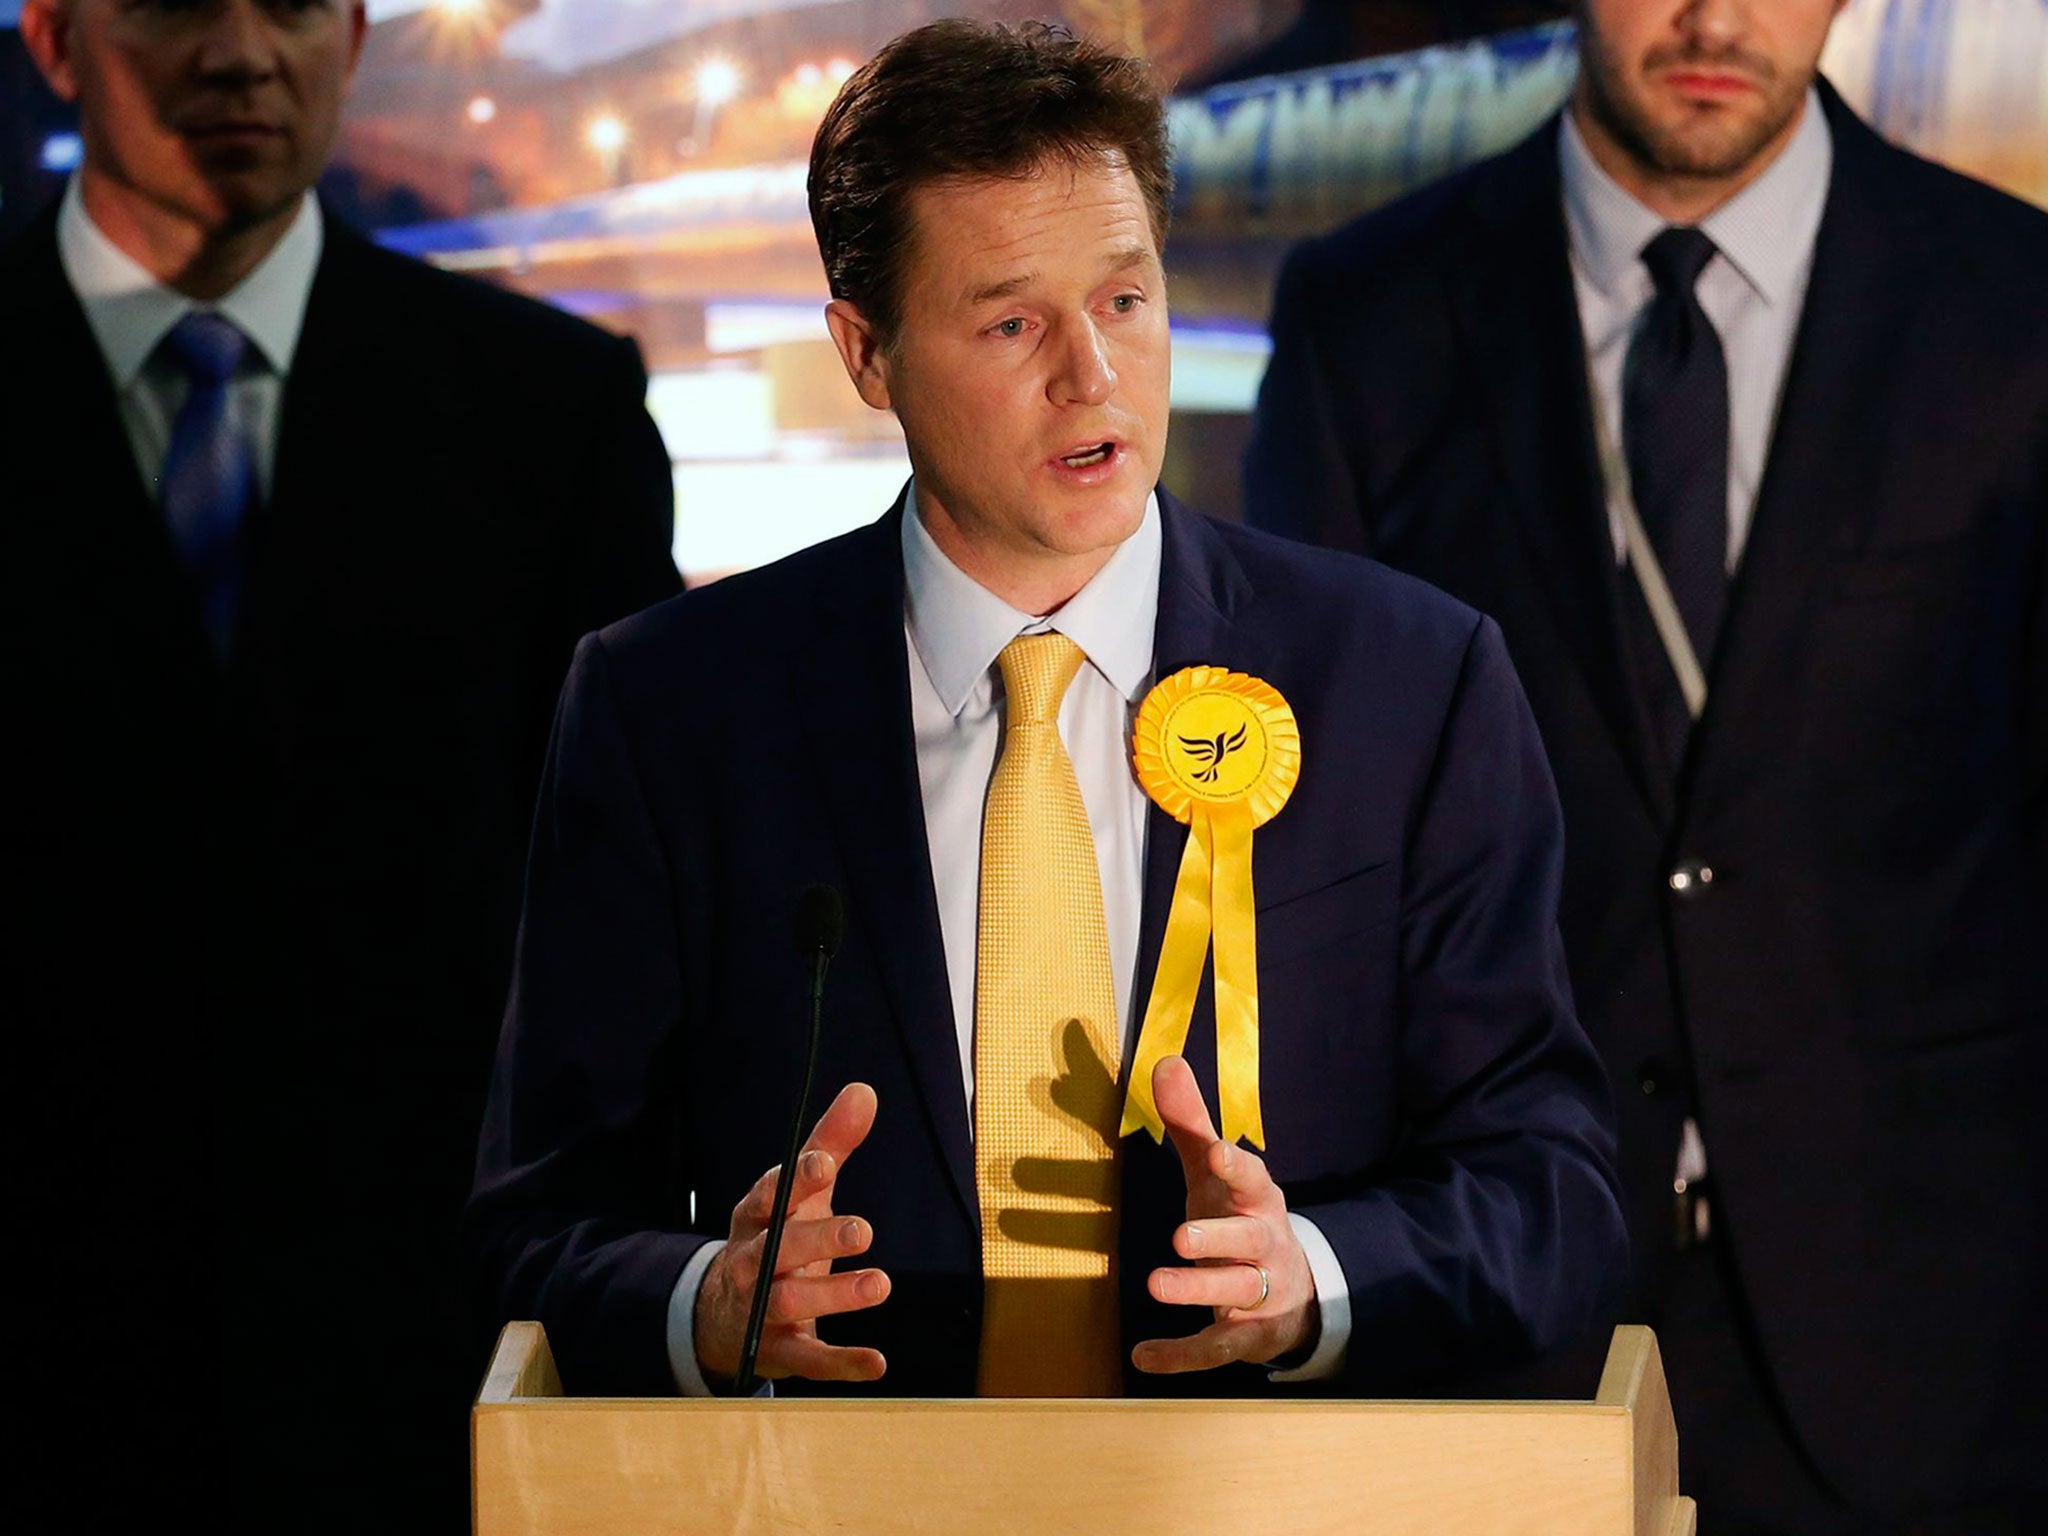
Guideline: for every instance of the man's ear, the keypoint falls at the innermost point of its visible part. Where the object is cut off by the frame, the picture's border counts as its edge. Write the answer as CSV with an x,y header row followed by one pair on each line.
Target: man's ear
x,y
46,33
860,349
358,29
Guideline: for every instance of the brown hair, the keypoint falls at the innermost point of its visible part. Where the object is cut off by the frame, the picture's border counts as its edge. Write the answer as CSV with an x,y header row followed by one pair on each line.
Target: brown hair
x,y
968,100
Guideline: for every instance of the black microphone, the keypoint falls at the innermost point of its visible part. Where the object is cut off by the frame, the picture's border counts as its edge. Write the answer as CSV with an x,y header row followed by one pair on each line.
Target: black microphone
x,y
820,925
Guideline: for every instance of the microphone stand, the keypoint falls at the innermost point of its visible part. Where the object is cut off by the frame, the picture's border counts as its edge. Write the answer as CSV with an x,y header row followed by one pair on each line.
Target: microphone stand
x,y
745,1384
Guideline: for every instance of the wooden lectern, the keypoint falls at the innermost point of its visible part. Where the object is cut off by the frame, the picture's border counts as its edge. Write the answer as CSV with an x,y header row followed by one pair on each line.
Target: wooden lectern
x,y
545,1463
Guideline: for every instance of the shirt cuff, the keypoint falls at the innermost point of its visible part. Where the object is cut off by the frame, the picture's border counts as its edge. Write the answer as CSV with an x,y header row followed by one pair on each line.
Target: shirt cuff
x,y
682,1323
1333,1301
682,1328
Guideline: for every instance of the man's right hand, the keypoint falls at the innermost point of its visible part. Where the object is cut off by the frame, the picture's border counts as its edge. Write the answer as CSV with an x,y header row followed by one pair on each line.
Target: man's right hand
x,y
805,1288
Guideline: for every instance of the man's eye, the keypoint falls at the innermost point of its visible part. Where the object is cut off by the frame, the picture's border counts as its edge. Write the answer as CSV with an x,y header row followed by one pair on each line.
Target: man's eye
x,y
1124,303
1011,327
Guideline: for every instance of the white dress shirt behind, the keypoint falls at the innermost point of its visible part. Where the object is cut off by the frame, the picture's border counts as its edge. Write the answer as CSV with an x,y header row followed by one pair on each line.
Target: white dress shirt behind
x,y
130,313
954,629
1752,291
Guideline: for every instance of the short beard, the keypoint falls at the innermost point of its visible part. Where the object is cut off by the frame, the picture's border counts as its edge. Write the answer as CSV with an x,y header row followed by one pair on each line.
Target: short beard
x,y
1669,152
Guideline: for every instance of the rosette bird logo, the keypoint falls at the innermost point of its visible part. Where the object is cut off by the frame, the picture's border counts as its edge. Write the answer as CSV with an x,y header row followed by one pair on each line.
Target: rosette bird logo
x,y
1211,752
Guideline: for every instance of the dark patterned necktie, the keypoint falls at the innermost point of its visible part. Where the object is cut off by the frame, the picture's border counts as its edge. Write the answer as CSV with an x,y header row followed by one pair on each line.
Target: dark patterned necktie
x,y
1675,432
209,475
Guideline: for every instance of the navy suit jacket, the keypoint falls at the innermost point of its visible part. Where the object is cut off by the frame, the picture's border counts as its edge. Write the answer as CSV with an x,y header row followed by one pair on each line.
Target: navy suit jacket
x,y
1857,1008
1430,1100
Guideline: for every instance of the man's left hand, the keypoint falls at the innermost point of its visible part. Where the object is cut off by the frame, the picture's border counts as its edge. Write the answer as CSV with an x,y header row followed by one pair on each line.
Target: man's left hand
x,y
1239,1240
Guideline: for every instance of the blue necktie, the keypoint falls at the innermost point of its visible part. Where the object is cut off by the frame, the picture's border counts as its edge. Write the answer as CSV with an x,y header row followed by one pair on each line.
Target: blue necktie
x,y
209,478
1675,433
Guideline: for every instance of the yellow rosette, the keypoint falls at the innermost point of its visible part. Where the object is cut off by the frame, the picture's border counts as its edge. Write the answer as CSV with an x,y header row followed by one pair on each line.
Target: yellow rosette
x,y
1219,751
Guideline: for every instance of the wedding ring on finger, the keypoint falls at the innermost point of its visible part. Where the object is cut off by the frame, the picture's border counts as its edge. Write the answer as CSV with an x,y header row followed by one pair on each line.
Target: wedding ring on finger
x,y
1265,1288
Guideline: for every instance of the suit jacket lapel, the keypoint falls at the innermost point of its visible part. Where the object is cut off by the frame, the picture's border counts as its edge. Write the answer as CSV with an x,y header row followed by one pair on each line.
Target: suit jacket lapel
x,y
336,360
1857,305
1200,590
1519,315
851,683
322,441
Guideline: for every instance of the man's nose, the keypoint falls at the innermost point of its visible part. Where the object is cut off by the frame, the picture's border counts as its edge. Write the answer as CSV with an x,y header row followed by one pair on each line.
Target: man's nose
x,y
1716,23
240,41
1084,375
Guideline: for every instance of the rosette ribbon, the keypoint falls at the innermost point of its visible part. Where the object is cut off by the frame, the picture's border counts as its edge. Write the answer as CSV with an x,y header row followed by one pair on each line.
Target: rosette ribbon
x,y
1219,752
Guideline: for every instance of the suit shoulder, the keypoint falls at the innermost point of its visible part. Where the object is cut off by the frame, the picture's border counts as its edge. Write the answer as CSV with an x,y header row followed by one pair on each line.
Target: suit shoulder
x,y
1356,646
1342,596
1950,194
1999,236
465,311
1933,208
29,268
746,618
1969,256
1405,240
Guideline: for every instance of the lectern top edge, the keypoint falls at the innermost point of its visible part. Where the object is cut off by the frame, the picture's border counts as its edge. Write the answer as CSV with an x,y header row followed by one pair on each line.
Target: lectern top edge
x,y
523,1374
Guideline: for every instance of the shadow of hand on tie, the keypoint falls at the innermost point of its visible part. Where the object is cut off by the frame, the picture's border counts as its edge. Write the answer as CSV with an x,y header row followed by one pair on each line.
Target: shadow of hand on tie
x,y
1086,1095
1050,1322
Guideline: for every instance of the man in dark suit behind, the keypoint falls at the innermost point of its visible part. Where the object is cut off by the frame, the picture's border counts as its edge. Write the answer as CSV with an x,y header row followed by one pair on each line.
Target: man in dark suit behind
x,y
1431,1195
298,539
1807,931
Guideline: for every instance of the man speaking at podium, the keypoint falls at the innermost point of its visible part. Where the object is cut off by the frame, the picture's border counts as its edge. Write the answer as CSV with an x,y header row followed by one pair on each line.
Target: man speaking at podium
x,y
1056,738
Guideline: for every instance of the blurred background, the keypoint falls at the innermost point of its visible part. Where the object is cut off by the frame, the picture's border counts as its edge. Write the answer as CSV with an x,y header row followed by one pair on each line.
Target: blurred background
x,y
641,163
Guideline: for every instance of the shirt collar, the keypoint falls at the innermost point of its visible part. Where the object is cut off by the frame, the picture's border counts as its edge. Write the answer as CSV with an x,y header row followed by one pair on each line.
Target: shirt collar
x,y
130,311
1766,230
958,627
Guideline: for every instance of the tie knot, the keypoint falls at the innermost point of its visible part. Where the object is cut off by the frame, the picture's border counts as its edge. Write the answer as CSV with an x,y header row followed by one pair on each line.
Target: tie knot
x,y
207,346
1677,257
1036,672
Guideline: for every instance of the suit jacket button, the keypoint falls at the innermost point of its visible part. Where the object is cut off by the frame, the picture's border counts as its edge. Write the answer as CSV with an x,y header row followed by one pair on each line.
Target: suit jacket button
x,y
1691,880
1653,1074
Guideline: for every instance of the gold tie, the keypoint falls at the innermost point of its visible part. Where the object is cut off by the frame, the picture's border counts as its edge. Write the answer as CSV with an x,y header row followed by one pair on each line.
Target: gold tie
x,y
1046,1045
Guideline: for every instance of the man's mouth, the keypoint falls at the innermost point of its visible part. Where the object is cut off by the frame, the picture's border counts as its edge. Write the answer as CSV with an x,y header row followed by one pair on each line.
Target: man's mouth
x,y
1088,458
232,129
1712,73
1701,82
